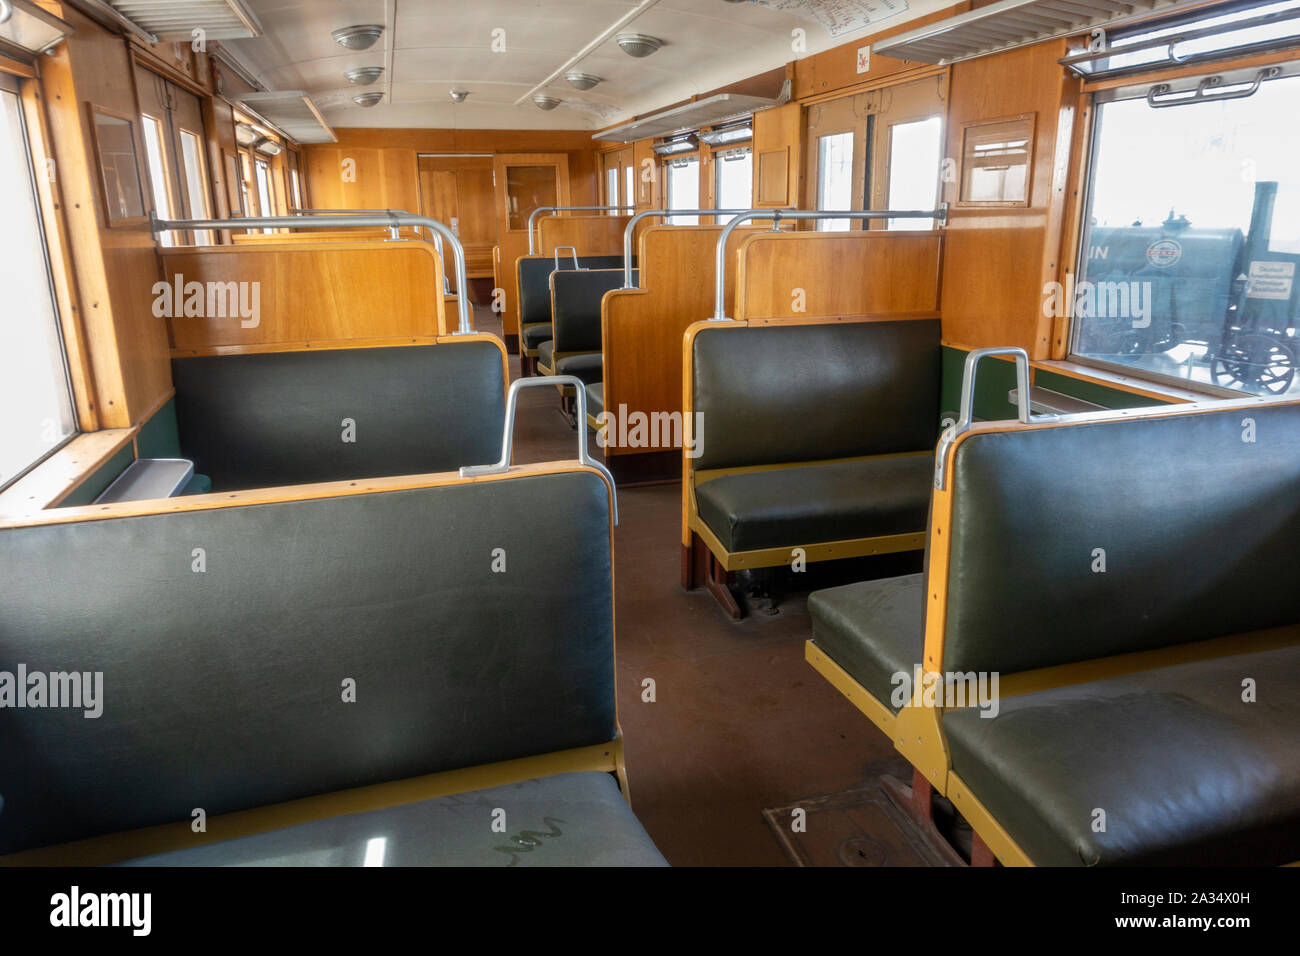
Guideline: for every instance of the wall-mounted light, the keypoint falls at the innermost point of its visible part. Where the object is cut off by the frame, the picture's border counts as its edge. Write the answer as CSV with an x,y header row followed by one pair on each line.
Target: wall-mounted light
x,y
739,133
246,135
582,81
545,102
638,44
364,75
360,37
678,144
367,99
31,29
268,147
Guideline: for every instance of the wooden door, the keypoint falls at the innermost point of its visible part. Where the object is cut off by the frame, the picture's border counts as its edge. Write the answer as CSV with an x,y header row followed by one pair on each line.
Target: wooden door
x,y
458,190
524,182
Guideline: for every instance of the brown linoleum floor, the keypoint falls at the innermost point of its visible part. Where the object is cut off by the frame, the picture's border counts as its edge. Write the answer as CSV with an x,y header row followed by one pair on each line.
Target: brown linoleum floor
x,y
741,722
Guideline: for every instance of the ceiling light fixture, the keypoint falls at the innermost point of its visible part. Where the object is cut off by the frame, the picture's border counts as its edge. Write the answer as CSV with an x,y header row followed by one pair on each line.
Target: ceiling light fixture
x,y
31,29
678,144
582,81
545,102
728,134
364,75
268,147
458,96
638,44
360,37
368,99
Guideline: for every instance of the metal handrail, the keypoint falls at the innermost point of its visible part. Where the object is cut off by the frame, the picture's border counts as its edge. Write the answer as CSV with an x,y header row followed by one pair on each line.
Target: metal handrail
x,y
502,465
966,411
940,215
628,281
391,219
532,218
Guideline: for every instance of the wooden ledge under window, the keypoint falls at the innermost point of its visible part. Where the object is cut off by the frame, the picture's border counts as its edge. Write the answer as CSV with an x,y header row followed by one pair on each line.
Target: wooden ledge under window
x,y
58,476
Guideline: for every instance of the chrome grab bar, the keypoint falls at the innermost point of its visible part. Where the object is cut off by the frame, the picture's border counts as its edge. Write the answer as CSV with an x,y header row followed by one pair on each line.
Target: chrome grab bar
x,y
507,438
532,218
966,411
388,219
577,267
940,215
628,281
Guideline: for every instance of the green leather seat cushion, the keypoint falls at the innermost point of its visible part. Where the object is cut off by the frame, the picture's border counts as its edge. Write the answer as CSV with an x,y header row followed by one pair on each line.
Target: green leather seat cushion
x,y
872,629
546,353
570,819
535,334
1186,771
595,398
589,366
809,504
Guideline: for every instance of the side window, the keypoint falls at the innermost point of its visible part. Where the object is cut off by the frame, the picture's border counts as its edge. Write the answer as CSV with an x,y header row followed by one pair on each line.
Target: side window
x,y
34,387
835,179
733,186
153,152
683,188
915,165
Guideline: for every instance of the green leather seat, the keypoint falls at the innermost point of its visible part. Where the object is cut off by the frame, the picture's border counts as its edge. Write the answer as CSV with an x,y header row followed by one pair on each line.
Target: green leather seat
x,y
791,507
587,366
595,398
570,819
1186,772
873,629
537,333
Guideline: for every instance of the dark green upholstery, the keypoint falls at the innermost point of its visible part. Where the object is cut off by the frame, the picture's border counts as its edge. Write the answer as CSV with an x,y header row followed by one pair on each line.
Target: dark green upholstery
x,y
258,420
588,367
575,303
570,819
223,689
789,507
1185,770
779,394
535,334
1199,530
546,354
535,282
873,629
595,398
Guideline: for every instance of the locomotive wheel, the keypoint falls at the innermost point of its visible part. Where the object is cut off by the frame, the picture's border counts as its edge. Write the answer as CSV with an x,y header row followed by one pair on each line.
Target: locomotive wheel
x,y
1255,362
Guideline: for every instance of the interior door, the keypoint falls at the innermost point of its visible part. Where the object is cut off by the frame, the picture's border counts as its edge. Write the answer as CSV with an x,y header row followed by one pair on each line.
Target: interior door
x,y
838,134
458,190
524,182
907,149
176,150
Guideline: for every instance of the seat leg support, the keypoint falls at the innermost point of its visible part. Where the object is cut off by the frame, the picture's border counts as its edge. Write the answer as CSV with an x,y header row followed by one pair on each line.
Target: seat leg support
x,y
718,578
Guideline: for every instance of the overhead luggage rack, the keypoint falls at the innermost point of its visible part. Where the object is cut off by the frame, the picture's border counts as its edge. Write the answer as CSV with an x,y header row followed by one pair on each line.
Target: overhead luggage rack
x,y
1014,23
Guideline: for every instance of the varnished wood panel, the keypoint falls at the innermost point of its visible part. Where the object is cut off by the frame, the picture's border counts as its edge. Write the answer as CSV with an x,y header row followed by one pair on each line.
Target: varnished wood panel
x,y
590,235
792,274
778,156
326,292
642,328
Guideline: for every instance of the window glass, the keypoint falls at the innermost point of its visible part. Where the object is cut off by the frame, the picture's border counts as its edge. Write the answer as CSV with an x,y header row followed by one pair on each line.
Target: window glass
x,y
264,190
34,387
1222,40
153,146
835,179
196,190
915,162
1191,252
529,188
684,189
629,184
296,185
733,186
611,189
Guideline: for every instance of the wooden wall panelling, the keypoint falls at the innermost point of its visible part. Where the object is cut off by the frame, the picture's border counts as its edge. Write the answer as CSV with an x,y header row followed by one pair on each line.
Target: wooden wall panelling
x,y
115,267
313,295
805,274
778,156
642,328
590,235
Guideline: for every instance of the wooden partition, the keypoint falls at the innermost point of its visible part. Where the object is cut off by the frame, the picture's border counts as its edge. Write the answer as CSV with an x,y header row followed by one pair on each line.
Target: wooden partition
x,y
315,235
789,275
642,328
328,294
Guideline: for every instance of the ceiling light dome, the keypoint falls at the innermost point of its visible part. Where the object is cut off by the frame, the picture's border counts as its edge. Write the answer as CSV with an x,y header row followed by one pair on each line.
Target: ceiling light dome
x,y
458,96
582,81
364,75
545,102
367,99
360,37
638,44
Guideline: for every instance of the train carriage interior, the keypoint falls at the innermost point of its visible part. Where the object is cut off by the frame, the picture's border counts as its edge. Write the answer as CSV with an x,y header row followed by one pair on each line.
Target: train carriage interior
x,y
642,433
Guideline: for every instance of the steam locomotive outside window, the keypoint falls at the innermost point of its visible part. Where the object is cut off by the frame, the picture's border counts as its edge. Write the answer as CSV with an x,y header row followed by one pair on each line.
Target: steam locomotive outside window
x,y
1190,261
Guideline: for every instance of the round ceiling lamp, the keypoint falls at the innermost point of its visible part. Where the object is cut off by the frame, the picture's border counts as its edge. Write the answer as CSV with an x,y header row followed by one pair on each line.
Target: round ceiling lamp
x,y
364,75
545,102
360,37
582,81
367,99
458,96
638,44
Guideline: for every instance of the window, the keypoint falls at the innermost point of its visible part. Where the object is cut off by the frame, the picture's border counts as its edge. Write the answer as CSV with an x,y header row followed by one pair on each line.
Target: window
x,y
733,180
835,179
34,389
196,193
1190,259
296,186
915,162
611,189
153,147
629,181
264,190
683,188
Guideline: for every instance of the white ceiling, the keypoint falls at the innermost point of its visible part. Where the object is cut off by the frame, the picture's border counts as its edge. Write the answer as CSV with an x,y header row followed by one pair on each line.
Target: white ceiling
x,y
432,46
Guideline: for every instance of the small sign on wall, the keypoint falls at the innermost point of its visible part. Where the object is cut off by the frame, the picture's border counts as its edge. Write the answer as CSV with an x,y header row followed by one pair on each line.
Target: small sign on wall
x,y
864,59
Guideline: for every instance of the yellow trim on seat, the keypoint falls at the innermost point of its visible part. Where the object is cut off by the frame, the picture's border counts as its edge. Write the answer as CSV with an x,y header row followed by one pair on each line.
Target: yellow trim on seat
x,y
131,844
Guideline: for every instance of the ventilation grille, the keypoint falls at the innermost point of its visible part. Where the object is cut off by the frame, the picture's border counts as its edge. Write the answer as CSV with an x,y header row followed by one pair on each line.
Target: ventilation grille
x,y
293,113
178,19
